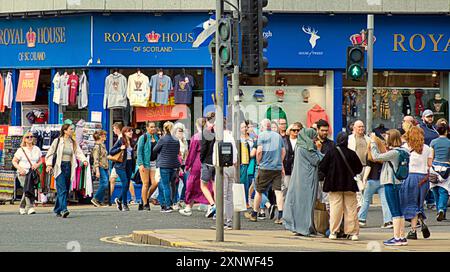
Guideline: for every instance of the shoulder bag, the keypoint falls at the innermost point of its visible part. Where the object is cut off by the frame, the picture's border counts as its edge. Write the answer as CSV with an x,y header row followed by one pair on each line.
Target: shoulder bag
x,y
32,177
117,157
359,182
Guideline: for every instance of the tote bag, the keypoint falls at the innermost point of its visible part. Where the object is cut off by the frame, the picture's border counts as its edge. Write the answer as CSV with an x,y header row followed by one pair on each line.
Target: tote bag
x,y
239,202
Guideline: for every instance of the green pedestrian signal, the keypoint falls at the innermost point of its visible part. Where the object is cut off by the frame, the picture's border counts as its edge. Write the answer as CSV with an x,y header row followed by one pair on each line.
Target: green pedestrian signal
x,y
356,71
355,63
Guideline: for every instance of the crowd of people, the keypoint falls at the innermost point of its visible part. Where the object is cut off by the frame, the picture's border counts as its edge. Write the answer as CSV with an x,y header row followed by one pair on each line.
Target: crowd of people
x,y
286,171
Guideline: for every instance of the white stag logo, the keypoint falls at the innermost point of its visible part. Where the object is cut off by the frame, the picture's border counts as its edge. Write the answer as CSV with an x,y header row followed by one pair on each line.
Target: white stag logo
x,y
314,36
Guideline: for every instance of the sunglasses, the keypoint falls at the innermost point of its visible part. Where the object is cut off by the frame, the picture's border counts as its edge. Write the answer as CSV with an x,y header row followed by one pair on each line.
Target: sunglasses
x,y
180,130
29,137
295,130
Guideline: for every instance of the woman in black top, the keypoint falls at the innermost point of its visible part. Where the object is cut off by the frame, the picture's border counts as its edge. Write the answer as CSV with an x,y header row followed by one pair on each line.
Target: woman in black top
x,y
372,182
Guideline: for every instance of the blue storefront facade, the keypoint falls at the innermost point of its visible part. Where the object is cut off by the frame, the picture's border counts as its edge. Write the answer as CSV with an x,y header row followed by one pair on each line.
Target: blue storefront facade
x,y
299,44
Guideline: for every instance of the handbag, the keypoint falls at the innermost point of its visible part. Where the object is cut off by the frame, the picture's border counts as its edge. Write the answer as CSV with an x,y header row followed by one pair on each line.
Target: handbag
x,y
358,180
31,179
116,158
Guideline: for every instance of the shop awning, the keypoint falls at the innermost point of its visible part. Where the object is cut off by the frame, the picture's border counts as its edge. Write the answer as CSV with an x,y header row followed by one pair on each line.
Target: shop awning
x,y
28,83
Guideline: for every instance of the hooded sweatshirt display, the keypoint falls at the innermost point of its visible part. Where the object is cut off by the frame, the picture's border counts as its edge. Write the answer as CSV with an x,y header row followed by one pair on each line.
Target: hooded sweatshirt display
x,y
183,85
83,92
161,85
115,91
315,114
138,90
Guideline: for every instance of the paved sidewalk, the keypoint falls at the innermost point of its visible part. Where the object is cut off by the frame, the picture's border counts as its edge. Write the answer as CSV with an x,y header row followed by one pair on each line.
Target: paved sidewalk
x,y
246,240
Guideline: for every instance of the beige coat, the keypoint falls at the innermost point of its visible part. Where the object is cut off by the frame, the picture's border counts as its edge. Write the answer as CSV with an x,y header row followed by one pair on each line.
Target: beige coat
x,y
59,154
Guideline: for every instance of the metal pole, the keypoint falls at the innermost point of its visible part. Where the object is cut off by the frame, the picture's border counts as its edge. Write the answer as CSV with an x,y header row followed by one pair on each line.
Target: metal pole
x,y
219,131
369,115
236,114
237,138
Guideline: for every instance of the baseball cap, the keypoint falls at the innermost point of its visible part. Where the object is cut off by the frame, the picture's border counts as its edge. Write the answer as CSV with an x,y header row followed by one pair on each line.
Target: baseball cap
x,y
427,113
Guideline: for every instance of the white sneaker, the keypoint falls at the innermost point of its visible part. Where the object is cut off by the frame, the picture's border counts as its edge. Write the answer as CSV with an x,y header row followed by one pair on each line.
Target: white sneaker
x,y
31,211
185,212
332,237
355,238
22,211
175,207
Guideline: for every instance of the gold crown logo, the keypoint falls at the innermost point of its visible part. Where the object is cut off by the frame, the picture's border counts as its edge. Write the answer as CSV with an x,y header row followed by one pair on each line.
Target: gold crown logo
x,y
153,37
31,38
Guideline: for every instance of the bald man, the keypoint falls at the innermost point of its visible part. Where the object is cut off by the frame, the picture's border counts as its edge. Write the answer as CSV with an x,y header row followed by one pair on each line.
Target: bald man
x,y
358,142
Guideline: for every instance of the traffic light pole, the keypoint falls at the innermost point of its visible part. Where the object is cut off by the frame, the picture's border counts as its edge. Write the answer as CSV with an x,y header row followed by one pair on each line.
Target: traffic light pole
x,y
237,137
236,116
369,103
219,132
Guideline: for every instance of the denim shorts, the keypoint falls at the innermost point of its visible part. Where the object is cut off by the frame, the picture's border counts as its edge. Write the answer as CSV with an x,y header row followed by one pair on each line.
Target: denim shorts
x,y
208,173
393,199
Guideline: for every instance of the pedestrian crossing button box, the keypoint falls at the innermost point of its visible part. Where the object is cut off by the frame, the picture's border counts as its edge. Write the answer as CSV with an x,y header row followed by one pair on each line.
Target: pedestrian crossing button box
x,y
225,154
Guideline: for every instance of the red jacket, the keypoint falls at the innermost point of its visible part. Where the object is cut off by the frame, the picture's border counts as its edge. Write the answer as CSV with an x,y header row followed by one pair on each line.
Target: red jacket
x,y
315,114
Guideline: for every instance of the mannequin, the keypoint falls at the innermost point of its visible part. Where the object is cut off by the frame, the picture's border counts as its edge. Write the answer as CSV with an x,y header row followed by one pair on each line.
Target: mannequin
x,y
306,94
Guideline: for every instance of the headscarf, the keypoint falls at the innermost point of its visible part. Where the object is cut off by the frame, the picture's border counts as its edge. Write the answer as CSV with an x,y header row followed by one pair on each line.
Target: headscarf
x,y
305,139
342,139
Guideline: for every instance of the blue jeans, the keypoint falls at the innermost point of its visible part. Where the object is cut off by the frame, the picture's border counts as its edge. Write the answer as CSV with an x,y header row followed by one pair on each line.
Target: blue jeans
x,y
125,177
164,186
393,199
63,187
441,197
103,185
374,186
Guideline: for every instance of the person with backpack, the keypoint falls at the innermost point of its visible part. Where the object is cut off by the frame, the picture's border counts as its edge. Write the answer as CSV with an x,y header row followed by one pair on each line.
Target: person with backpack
x,y
440,171
372,181
62,159
144,154
415,188
394,171
101,166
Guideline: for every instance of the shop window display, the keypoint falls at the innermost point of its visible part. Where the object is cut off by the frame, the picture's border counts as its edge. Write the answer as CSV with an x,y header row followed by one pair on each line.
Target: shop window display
x,y
36,112
127,91
395,95
291,95
71,89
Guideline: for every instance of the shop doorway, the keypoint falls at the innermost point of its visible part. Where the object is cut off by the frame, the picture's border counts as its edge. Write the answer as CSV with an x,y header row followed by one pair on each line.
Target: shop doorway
x,y
37,112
